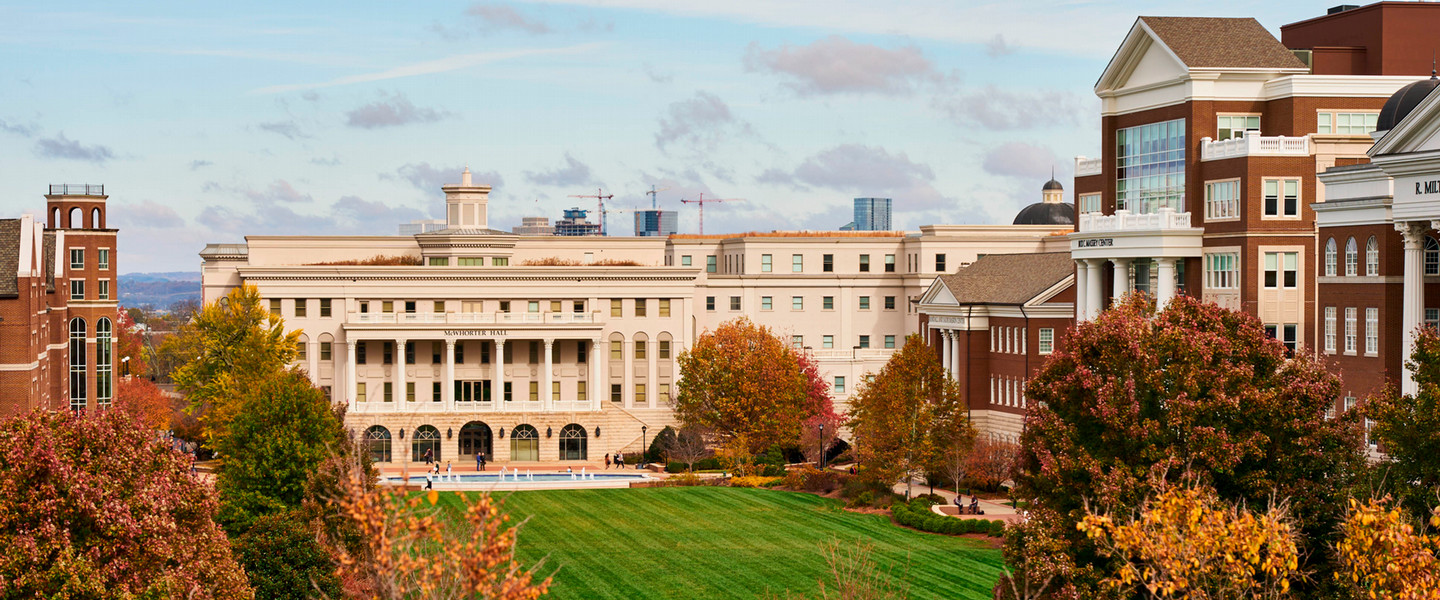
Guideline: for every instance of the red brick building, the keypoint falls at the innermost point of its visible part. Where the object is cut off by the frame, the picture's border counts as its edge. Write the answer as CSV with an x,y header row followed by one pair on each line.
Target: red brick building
x,y
58,305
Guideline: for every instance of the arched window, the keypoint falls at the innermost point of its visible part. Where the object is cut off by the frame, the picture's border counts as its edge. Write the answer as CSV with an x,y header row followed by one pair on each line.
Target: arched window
x,y
377,443
572,443
426,437
96,222
77,364
1352,257
76,215
1432,256
55,218
1372,256
524,443
1330,257
104,370
476,438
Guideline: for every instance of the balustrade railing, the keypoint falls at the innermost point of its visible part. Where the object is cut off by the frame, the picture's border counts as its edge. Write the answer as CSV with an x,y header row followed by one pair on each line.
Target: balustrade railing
x,y
472,318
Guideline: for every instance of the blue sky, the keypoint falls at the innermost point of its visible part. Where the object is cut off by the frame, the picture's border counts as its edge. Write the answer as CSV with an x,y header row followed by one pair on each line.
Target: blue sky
x,y
211,121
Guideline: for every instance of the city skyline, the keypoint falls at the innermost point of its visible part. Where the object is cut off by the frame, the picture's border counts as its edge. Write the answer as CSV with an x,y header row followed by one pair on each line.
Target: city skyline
x,y
208,123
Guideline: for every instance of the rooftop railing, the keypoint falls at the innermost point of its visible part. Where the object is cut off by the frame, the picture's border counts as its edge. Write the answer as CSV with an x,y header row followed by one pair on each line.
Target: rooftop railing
x,y
1087,166
76,189
484,318
1122,220
1254,145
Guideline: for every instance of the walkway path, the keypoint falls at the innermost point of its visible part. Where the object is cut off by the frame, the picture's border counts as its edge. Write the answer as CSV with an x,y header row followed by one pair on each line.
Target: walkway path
x,y
992,509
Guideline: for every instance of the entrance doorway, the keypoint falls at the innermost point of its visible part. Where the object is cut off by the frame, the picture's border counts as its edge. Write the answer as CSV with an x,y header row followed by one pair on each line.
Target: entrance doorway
x,y
475,438
524,443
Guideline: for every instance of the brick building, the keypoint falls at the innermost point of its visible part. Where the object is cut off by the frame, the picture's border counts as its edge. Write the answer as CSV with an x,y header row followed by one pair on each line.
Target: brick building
x,y
58,305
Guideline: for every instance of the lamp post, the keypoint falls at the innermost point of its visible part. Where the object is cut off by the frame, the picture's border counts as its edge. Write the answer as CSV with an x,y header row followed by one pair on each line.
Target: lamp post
x,y
643,447
823,449
125,366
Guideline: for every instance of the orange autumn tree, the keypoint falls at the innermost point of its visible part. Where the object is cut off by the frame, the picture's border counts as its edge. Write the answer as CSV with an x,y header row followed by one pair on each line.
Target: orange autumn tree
x,y
742,380
904,417
145,401
1385,556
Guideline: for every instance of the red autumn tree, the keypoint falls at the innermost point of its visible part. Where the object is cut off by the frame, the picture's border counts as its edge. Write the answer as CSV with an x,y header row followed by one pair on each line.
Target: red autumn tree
x,y
95,507
146,402
1192,388
740,379
821,429
129,343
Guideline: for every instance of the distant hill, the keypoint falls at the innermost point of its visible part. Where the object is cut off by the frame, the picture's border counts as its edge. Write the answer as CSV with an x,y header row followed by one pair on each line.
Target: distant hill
x,y
159,290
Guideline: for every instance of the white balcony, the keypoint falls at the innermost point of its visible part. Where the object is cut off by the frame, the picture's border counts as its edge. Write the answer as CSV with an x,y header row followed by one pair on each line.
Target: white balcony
x,y
854,354
1254,145
471,318
1087,166
1162,234
1122,220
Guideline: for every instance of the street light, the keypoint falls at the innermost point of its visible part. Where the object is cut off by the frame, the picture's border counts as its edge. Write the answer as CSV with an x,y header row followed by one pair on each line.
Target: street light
x,y
125,366
823,449
643,447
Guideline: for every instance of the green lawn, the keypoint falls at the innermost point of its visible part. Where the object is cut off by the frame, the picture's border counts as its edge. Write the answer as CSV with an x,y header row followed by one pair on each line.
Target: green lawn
x,y
707,542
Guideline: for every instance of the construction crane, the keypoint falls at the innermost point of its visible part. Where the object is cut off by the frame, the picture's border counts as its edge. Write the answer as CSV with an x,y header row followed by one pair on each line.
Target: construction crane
x,y
601,196
651,193
701,201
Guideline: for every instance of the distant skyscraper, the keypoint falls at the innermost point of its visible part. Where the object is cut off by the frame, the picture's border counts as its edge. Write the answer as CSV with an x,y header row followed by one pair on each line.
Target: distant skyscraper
x,y
872,214
534,226
422,226
575,223
655,223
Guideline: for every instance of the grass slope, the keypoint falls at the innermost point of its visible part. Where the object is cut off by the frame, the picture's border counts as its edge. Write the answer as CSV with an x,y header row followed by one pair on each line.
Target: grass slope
x,y
705,542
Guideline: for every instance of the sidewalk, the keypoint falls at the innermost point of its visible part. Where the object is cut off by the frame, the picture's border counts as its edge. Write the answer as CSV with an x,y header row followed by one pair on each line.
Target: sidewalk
x,y
993,510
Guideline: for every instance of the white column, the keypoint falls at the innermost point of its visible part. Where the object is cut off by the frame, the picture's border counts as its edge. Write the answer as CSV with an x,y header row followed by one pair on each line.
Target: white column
x,y
399,378
627,362
1121,285
955,340
1082,283
946,348
547,378
594,388
1094,294
1413,305
350,381
652,377
1165,276
497,361
447,388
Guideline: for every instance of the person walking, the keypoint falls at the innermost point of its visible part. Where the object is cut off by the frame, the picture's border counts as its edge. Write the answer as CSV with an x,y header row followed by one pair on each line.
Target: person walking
x,y
607,460
620,460
447,470
429,455
429,483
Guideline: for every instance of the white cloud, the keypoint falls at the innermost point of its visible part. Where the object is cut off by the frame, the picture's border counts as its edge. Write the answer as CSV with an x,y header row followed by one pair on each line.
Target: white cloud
x,y
837,65
390,112
698,124
999,109
66,148
502,16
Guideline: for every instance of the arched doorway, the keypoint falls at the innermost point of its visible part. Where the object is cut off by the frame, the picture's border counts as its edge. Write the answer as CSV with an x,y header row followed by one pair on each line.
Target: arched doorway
x,y
426,437
572,443
476,438
377,443
524,443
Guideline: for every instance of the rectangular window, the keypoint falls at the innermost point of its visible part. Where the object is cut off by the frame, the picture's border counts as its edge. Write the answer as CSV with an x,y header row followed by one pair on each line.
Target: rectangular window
x,y
580,391
710,303
889,303
325,349
827,263
640,346
102,262
615,394
1222,270
864,303
387,306
409,391
827,341
864,263
827,302
642,307
324,308
1432,318
797,303
797,341
939,263
435,391
664,350
710,264
839,384
409,353
102,290
889,341
685,260
1047,340
1089,203
1277,263
438,261
664,307
582,352
77,258
470,261
1290,332
766,263
797,263
360,392
617,307
1282,198
1350,325
532,306
438,307
1222,200
302,307
617,351
389,392
864,341
504,306
555,306
1346,123
508,393
500,261
387,353
275,306
301,354
578,307
664,392
532,354
1234,126
1329,330
1372,331
360,352
734,303
1150,167
640,394
534,391
889,263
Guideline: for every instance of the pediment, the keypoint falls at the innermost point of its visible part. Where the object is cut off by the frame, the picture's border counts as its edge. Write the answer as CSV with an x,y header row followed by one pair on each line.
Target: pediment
x,y
939,294
1419,131
1142,60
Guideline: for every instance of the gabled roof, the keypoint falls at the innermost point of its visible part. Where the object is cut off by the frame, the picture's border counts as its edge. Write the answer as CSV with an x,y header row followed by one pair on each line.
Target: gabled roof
x,y
1418,131
1008,278
1219,42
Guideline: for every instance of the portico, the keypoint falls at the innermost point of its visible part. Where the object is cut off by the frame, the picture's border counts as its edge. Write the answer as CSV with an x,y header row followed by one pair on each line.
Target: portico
x,y
1143,252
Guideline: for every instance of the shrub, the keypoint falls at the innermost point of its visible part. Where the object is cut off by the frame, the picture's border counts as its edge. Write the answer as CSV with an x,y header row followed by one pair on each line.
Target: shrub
x,y
811,479
283,560
838,448
684,480
751,481
932,498
661,445
379,260
708,464
917,514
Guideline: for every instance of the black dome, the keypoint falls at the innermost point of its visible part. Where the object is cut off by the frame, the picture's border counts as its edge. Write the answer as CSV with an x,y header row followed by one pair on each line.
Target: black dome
x,y
1052,185
1047,213
1404,101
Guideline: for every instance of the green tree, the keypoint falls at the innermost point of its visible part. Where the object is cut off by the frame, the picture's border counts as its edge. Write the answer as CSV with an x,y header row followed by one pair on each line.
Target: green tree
x,y
1194,387
230,346
1408,427
285,429
904,417
742,380
95,507
284,561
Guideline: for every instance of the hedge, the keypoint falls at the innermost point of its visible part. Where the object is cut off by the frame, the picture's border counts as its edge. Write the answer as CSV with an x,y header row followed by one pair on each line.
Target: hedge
x,y
917,514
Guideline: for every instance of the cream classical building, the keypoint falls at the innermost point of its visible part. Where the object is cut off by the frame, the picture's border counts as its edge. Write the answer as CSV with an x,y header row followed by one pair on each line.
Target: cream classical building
x,y
471,340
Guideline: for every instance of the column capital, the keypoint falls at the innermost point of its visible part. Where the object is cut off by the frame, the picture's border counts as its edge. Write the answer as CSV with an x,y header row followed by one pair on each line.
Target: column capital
x,y
1412,232
449,343
1121,262
351,343
1094,263
549,342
